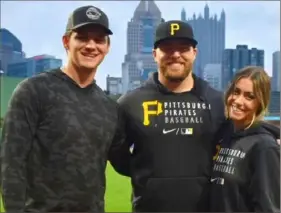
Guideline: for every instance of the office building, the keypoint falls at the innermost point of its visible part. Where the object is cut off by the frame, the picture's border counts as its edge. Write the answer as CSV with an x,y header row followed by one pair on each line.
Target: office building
x,y
34,65
212,74
140,38
274,106
10,49
276,71
236,59
209,31
114,85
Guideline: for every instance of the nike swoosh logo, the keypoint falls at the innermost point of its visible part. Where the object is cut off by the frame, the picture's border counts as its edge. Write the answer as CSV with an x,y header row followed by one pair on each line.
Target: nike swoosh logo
x,y
168,131
213,179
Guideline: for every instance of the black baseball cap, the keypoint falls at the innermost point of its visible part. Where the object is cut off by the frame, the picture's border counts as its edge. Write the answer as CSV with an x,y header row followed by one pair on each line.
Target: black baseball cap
x,y
174,29
87,15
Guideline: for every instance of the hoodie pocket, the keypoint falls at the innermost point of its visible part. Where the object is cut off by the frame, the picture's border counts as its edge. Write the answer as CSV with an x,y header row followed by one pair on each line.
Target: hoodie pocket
x,y
185,194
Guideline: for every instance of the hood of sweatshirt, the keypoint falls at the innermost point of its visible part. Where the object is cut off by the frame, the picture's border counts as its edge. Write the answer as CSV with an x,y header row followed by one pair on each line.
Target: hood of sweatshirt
x,y
258,128
200,87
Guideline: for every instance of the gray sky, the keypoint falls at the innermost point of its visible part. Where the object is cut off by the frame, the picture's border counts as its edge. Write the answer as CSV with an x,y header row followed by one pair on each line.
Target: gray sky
x,y
40,25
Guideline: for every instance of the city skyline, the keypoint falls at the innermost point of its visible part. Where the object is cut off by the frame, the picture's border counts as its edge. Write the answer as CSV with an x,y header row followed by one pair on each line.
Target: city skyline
x,y
44,37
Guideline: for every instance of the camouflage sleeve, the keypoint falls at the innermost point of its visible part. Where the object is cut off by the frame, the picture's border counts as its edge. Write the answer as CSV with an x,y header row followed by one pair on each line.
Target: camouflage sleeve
x,y
119,152
18,131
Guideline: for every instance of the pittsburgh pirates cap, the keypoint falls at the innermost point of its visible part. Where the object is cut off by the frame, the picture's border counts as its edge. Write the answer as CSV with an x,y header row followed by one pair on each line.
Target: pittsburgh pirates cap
x,y
87,15
174,29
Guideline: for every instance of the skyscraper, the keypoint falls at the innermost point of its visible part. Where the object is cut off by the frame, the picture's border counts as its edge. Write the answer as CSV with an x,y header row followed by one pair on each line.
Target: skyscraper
x,y
236,59
10,49
140,36
209,31
276,71
274,105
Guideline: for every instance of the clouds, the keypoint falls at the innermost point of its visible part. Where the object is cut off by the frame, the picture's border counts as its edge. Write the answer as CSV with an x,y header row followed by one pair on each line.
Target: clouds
x,y
40,25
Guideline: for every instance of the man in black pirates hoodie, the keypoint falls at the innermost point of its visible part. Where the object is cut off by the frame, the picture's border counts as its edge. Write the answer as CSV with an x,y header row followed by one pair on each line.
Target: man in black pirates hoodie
x,y
171,121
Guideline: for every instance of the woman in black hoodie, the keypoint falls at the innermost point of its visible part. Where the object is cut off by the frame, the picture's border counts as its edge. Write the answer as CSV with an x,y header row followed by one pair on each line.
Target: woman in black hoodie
x,y
246,172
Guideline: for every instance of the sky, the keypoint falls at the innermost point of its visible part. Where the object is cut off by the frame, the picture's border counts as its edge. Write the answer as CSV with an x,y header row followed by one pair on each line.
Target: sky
x,y
40,25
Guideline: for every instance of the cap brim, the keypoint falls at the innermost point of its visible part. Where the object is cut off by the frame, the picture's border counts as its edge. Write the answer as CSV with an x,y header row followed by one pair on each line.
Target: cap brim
x,y
192,41
107,31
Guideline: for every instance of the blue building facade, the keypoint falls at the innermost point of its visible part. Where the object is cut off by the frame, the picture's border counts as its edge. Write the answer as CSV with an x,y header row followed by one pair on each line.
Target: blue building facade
x,y
274,106
276,71
10,49
33,66
236,59
7,38
148,32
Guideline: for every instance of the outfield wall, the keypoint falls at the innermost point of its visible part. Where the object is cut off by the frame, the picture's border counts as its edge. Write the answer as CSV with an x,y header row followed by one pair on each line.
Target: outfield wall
x,y
7,86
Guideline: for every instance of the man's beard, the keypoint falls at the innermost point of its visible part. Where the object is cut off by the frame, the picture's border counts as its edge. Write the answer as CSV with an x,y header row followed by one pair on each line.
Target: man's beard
x,y
177,78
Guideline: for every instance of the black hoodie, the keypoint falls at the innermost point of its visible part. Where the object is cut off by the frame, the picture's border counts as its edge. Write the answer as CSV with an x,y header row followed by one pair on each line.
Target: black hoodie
x,y
56,140
246,172
172,136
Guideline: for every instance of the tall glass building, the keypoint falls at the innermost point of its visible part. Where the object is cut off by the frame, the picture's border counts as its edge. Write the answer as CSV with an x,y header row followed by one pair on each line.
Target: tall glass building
x,y
276,71
236,59
10,49
138,61
209,31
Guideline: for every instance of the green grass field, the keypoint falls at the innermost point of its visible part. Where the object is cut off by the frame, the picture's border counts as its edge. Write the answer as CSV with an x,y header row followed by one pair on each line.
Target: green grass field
x,y
118,193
